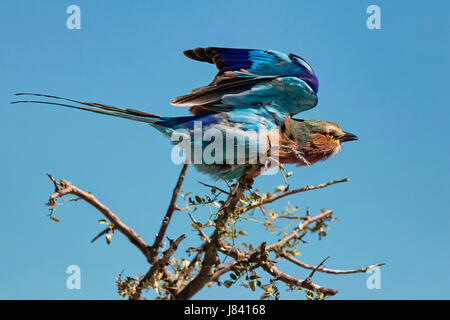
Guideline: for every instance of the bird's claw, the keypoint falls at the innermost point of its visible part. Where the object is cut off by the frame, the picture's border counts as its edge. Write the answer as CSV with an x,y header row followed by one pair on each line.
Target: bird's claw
x,y
297,154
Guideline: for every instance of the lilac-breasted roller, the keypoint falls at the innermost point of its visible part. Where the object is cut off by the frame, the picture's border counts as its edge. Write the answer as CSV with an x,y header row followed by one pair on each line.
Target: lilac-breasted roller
x,y
244,117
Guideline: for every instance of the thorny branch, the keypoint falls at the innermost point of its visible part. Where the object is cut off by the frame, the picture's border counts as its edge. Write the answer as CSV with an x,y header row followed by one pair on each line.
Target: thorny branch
x,y
327,270
185,280
64,187
270,268
159,265
291,192
206,272
168,216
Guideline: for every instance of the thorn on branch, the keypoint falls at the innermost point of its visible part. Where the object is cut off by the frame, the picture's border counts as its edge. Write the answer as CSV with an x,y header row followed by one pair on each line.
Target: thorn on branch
x,y
214,187
100,234
315,269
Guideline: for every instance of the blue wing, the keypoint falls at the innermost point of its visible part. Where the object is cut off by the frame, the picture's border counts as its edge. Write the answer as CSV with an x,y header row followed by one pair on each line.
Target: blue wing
x,y
252,78
238,62
287,94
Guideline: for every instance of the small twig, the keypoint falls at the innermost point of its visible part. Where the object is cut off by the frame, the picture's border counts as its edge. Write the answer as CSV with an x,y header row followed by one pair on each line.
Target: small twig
x,y
130,234
200,231
57,188
291,192
165,223
326,270
297,230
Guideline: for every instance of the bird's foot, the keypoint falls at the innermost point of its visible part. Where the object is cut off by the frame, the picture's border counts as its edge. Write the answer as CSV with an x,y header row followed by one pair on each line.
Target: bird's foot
x,y
296,152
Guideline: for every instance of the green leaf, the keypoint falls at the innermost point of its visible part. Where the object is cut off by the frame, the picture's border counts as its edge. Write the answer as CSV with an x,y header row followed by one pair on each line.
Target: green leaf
x,y
54,219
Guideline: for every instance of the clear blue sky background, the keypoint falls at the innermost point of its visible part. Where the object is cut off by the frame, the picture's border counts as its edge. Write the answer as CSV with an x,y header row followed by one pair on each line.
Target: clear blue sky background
x,y
388,86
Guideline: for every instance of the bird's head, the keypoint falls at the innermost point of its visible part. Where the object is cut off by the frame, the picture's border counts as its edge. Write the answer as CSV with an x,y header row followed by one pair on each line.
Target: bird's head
x,y
318,139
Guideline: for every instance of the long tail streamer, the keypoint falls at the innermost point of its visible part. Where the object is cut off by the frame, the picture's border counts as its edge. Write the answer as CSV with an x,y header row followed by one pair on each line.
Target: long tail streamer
x,y
130,114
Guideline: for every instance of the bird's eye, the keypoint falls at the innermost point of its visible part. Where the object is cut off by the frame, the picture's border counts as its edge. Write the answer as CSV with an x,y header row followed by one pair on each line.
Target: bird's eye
x,y
331,134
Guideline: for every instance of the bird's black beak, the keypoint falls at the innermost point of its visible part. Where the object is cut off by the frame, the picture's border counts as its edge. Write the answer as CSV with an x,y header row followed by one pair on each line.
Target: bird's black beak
x,y
347,136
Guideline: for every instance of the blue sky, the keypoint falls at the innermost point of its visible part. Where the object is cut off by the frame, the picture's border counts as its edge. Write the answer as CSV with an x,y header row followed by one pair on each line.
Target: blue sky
x,y
388,86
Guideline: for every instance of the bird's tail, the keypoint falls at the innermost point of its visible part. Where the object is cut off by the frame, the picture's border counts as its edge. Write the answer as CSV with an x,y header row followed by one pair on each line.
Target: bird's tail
x,y
130,114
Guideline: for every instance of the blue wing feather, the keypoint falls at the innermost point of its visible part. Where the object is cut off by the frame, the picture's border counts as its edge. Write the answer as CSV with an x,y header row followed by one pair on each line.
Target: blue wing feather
x,y
252,78
289,95
258,62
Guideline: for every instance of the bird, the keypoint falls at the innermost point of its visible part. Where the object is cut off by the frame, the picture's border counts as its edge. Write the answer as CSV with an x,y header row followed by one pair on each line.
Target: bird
x,y
246,112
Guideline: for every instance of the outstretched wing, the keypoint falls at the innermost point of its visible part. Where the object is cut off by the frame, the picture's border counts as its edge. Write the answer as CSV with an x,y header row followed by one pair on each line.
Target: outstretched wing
x,y
286,94
238,62
251,77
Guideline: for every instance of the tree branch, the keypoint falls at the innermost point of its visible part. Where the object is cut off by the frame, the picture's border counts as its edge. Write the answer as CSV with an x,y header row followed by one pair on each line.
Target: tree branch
x,y
315,269
165,223
206,272
299,229
260,256
222,269
286,278
189,269
157,266
326,270
160,277
291,192
64,187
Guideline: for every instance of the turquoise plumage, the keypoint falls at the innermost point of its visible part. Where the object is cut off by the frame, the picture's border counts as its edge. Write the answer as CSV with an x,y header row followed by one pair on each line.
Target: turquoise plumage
x,y
248,105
